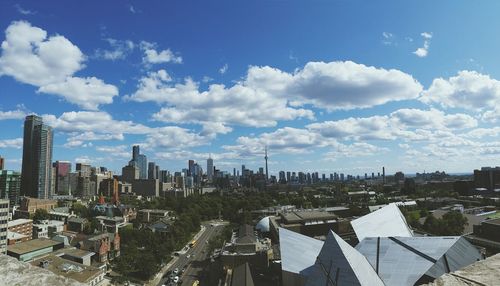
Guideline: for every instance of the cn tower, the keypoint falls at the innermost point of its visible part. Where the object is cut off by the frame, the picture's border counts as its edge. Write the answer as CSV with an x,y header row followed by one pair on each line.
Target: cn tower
x,y
265,157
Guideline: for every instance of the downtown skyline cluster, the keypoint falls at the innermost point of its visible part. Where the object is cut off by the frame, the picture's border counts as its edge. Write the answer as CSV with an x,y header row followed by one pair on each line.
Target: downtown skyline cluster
x,y
337,110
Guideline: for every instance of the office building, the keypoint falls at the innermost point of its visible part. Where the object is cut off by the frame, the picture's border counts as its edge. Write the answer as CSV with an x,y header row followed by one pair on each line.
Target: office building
x,y
62,177
2,163
4,217
140,161
37,158
153,171
210,169
10,186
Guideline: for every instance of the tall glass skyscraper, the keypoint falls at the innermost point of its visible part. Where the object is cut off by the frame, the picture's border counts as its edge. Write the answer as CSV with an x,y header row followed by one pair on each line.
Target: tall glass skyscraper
x,y
37,158
140,161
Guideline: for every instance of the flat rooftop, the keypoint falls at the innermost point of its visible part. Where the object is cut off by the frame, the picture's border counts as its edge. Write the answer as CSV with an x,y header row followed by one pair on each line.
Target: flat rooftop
x,y
68,269
302,216
32,245
75,252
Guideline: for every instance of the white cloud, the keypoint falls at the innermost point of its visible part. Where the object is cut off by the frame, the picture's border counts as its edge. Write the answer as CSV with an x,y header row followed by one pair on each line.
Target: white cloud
x,y
81,126
29,56
121,151
119,49
368,128
433,119
423,51
468,90
16,143
151,56
12,114
268,95
223,69
217,107
93,121
87,93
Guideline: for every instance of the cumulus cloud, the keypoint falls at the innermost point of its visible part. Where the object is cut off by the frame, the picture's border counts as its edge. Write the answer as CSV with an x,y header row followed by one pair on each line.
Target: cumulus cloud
x,y
268,95
12,114
82,126
88,93
16,143
423,51
433,118
152,56
468,90
30,56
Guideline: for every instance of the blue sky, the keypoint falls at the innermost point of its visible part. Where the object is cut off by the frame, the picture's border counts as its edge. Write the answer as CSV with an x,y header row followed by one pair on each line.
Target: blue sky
x,y
329,86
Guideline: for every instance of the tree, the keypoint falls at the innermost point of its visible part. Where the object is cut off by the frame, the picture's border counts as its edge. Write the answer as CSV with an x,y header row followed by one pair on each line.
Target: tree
x,y
41,214
454,223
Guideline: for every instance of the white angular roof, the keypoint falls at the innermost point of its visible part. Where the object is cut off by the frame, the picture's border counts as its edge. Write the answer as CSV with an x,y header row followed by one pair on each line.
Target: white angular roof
x,y
298,252
387,221
263,224
338,263
405,260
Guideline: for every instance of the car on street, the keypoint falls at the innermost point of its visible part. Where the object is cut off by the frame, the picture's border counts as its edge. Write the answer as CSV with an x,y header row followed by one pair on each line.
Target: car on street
x,y
176,271
176,279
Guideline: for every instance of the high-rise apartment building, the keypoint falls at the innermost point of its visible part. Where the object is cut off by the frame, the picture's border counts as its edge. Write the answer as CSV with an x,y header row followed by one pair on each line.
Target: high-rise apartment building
x,y
10,186
62,177
4,217
37,158
2,163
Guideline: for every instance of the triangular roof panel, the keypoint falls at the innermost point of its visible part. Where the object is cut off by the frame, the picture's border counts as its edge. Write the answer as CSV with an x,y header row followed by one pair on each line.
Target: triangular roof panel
x,y
387,221
338,263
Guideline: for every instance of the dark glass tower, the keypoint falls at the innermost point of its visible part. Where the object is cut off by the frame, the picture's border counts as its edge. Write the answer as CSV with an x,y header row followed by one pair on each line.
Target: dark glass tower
x,y
37,158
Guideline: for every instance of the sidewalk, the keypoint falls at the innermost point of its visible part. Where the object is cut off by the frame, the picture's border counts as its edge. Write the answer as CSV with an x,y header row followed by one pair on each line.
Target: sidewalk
x,y
158,276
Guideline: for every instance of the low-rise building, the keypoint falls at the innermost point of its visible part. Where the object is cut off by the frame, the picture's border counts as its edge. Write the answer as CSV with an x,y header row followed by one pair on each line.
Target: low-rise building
x,y
111,224
28,250
150,215
76,224
247,247
48,228
105,245
85,274
28,206
22,226
14,238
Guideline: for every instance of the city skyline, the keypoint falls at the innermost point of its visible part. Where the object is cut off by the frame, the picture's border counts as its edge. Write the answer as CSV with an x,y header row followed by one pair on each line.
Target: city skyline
x,y
351,96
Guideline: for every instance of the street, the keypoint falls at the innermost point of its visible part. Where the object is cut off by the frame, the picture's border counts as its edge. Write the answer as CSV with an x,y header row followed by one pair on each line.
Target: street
x,y
197,254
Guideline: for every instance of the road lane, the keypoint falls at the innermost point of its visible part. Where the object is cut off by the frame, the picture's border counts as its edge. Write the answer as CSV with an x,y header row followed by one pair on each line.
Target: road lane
x,y
198,253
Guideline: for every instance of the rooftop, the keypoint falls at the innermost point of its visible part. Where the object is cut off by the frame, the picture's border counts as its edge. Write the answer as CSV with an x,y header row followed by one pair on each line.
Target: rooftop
x,y
15,222
75,252
69,269
15,272
31,245
302,216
